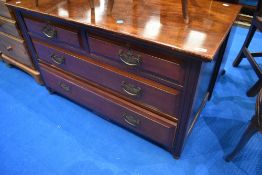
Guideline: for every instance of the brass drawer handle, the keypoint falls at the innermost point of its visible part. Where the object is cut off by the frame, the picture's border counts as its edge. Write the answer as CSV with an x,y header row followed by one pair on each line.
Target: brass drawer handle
x,y
57,59
131,89
65,87
131,120
128,58
49,32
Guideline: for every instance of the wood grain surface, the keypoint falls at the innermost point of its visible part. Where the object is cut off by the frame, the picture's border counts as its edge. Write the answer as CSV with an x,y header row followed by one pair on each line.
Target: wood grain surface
x,y
157,21
115,109
146,92
15,48
9,26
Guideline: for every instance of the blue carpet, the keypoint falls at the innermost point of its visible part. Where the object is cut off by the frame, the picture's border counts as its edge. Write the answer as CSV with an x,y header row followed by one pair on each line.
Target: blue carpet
x,y
248,2
42,134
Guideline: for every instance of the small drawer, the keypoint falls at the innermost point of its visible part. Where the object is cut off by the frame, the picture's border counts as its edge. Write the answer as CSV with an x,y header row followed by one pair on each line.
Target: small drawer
x,y
4,11
111,107
15,48
140,90
139,62
53,32
9,26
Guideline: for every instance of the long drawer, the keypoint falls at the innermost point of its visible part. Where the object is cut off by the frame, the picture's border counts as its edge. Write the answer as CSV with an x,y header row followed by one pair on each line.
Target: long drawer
x,y
111,107
138,62
54,32
4,10
9,26
15,48
140,90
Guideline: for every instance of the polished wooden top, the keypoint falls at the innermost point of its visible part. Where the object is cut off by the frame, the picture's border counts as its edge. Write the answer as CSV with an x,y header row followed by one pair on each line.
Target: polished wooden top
x,y
158,21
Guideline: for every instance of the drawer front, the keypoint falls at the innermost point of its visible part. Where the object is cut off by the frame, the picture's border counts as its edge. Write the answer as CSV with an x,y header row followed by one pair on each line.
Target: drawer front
x,y
141,62
9,26
53,33
4,10
115,109
140,90
15,48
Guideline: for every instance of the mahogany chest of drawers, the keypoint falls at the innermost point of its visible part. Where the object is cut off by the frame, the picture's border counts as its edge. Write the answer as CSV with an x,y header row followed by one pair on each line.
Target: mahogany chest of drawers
x,y
147,73
12,45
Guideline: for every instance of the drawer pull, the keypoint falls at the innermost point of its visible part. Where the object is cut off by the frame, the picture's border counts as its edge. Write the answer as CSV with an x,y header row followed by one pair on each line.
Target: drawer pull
x,y
128,58
64,87
49,32
9,48
58,59
131,120
131,89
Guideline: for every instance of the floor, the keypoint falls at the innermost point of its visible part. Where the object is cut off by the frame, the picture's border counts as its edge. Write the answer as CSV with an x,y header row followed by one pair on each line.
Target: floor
x,y
43,134
248,2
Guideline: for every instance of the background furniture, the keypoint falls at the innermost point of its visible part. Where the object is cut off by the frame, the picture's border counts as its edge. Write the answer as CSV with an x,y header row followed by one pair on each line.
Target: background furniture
x,y
12,45
244,52
126,71
75,136
254,127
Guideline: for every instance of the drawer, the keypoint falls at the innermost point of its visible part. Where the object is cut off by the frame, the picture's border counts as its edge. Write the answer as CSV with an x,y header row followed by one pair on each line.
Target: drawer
x,y
4,10
53,32
137,61
9,26
138,89
111,107
15,48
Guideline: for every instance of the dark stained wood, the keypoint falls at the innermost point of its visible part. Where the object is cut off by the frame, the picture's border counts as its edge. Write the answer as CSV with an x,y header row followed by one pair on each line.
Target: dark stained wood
x,y
254,126
219,67
1,56
53,33
15,48
249,132
110,6
193,95
9,26
91,2
147,124
150,93
160,22
151,64
185,10
177,60
245,53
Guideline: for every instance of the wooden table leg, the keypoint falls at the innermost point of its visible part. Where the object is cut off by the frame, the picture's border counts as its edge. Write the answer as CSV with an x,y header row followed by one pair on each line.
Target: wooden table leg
x,y
91,2
110,7
253,91
185,10
249,132
218,64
